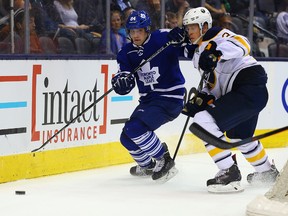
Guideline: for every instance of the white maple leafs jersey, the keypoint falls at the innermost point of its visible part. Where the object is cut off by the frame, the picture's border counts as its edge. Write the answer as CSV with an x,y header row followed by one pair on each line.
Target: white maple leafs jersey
x,y
235,57
159,78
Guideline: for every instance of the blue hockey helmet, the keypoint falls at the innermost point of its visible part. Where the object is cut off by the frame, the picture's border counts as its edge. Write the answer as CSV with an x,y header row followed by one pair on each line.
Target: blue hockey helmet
x,y
138,19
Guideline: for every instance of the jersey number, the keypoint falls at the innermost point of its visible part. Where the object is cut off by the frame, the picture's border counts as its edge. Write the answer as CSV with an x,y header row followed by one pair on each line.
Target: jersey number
x,y
225,34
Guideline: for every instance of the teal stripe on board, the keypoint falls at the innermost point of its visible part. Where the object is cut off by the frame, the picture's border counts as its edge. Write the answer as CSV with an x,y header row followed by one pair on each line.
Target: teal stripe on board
x,y
8,105
121,98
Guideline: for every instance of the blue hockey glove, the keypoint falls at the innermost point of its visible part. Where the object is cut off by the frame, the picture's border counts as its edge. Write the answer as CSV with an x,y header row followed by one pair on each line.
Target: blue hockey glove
x,y
209,57
197,104
123,83
177,36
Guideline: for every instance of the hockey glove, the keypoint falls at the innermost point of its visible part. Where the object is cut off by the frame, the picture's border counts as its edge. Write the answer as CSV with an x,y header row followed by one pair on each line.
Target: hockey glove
x,y
123,83
197,104
209,57
177,36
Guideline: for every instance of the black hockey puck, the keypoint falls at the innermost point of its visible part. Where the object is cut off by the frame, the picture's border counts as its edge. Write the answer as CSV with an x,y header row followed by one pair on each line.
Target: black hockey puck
x,y
20,192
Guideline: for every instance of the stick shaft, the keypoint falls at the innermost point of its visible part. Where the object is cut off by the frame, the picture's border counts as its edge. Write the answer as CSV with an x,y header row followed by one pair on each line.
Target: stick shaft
x,y
203,134
200,86
181,137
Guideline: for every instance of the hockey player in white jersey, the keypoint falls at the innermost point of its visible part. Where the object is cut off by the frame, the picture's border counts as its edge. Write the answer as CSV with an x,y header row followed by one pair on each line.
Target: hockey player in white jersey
x,y
161,87
233,95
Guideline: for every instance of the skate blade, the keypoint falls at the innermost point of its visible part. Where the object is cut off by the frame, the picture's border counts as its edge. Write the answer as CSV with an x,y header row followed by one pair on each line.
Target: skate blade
x,y
170,174
232,187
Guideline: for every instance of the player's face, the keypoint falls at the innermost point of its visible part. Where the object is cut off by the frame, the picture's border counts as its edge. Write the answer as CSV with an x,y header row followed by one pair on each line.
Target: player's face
x,y
138,36
193,32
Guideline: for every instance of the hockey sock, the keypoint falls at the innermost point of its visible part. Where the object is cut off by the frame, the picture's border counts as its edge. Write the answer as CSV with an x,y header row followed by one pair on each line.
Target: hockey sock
x,y
138,155
222,158
256,155
146,139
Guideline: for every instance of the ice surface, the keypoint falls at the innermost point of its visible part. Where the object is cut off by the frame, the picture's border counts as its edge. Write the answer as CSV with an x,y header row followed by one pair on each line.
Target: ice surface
x,y
112,191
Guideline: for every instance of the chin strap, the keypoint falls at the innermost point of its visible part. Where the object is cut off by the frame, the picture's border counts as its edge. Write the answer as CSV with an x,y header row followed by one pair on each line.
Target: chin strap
x,y
201,35
196,42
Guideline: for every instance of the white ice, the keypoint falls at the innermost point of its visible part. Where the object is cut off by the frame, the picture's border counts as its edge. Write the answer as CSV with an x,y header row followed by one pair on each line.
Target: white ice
x,y
112,191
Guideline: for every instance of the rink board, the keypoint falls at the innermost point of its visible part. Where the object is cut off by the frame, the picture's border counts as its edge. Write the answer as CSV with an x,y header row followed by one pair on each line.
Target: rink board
x,y
38,97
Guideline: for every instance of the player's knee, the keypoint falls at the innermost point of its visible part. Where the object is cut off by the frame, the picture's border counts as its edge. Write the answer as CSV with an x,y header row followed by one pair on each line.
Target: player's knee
x,y
134,128
128,143
205,120
203,117
248,147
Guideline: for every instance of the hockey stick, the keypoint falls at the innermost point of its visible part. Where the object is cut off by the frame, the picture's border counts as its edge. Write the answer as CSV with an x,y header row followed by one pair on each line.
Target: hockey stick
x,y
195,91
104,95
203,134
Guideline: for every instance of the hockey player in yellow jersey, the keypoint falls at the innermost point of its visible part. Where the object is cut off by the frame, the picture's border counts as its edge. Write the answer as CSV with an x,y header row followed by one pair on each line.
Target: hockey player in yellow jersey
x,y
235,83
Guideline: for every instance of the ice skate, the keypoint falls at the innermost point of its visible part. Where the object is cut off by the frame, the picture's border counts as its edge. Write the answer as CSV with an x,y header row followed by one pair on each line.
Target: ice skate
x,y
142,171
226,181
266,177
165,167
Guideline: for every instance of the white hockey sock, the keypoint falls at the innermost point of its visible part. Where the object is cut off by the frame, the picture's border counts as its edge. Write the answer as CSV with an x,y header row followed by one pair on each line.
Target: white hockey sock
x,y
222,158
255,154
